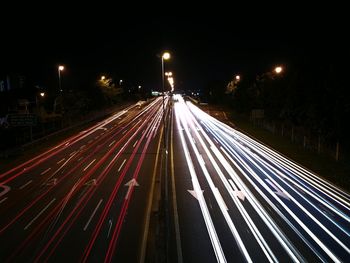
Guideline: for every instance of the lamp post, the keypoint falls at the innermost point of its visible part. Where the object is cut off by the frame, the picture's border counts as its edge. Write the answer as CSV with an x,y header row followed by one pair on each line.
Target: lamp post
x,y
60,68
165,56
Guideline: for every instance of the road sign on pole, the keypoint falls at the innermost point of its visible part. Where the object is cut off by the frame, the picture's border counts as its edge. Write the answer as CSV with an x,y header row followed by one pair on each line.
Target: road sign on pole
x,y
16,120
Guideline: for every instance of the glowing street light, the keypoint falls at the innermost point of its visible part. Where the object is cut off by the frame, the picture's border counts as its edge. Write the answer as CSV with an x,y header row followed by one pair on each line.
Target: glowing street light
x,y
60,68
278,69
103,77
42,94
237,77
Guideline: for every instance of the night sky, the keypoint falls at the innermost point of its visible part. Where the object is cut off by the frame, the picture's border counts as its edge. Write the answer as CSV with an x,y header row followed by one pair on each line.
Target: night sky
x,y
204,48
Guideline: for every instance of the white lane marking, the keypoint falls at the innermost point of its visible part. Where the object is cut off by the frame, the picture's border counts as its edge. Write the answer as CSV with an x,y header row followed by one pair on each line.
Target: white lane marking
x,y
61,161
90,141
111,143
72,153
110,227
25,184
135,143
44,172
81,147
93,214
121,165
124,131
89,165
37,216
3,200
96,137
80,159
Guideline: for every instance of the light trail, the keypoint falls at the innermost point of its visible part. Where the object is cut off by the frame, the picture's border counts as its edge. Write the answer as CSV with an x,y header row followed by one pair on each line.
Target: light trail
x,y
314,209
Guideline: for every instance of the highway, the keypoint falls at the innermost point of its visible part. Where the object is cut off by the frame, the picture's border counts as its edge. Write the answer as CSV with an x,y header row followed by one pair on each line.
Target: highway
x,y
227,197
237,200
85,199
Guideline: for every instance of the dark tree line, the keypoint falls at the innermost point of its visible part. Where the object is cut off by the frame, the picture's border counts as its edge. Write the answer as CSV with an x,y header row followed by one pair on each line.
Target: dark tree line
x,y
311,92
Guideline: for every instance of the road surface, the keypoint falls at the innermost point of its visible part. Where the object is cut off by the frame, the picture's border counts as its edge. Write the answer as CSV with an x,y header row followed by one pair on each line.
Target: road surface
x,y
85,199
235,199
223,196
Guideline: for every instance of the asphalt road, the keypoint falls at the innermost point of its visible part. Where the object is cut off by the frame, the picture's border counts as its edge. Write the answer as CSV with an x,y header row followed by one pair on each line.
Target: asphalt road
x,y
237,200
223,196
86,198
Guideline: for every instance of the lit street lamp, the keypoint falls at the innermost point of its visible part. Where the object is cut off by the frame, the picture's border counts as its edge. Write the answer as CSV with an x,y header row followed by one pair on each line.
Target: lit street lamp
x,y
60,68
278,69
238,77
165,56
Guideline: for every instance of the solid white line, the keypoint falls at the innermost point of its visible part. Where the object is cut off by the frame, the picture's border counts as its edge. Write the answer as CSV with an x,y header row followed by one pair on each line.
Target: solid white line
x,y
61,161
44,172
3,200
42,211
135,143
25,184
72,153
89,165
93,214
111,143
121,165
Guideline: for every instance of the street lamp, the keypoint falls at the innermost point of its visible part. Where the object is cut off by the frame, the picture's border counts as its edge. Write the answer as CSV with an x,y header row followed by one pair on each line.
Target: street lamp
x,y
165,56
278,69
60,68
238,77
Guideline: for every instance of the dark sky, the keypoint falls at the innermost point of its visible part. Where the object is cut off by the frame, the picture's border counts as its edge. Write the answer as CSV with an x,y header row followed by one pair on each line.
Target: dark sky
x,y
212,46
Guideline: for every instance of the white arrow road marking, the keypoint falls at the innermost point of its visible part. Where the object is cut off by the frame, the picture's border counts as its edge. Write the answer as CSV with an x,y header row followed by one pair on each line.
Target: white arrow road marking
x,y
277,190
194,193
6,189
130,184
236,192
52,181
91,182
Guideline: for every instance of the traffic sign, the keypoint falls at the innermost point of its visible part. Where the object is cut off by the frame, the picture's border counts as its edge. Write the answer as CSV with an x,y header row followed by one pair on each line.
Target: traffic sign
x,y
22,119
